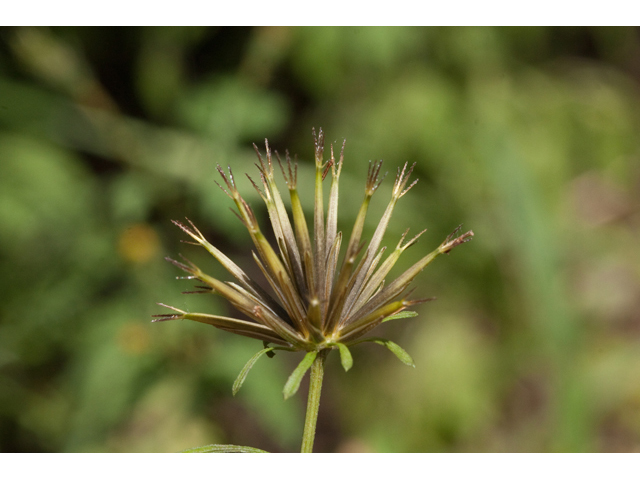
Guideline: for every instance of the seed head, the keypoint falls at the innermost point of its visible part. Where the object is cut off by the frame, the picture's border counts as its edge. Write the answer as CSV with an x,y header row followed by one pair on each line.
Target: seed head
x,y
317,302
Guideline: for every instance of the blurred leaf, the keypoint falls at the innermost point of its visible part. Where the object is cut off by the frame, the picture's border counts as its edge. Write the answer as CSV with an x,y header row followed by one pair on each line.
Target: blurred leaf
x,y
161,69
223,449
327,59
230,111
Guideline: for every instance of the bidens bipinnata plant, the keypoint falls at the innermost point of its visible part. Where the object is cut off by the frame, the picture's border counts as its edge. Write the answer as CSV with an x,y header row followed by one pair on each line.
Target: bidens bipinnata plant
x,y
318,303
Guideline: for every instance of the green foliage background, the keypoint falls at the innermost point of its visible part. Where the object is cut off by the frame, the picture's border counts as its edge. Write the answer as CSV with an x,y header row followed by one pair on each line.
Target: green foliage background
x,y
528,136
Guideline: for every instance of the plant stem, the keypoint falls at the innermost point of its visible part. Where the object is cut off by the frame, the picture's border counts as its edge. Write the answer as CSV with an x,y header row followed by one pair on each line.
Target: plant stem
x,y
313,403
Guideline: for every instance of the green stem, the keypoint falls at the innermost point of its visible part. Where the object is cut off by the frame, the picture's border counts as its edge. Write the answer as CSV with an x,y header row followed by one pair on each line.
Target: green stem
x,y
313,403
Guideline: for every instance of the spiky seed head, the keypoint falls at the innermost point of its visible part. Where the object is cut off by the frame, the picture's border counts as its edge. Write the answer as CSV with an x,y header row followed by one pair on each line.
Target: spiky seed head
x,y
316,302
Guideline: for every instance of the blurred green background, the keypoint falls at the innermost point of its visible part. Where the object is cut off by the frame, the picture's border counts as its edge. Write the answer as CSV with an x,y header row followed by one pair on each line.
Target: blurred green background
x,y
528,136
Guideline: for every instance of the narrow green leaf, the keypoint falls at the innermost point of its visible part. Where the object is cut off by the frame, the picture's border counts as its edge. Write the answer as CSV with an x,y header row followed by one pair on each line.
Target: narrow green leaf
x,y
216,448
293,383
398,351
245,370
401,315
345,357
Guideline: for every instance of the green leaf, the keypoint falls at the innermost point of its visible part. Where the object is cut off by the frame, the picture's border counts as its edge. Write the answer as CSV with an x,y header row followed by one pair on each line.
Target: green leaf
x,y
398,351
345,357
400,315
293,383
216,448
245,370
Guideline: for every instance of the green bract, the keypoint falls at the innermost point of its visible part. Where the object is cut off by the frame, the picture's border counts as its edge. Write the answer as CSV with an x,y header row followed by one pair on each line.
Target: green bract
x,y
317,302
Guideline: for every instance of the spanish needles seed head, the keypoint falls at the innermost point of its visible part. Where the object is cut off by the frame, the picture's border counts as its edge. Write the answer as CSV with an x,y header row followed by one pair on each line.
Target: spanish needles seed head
x,y
316,303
